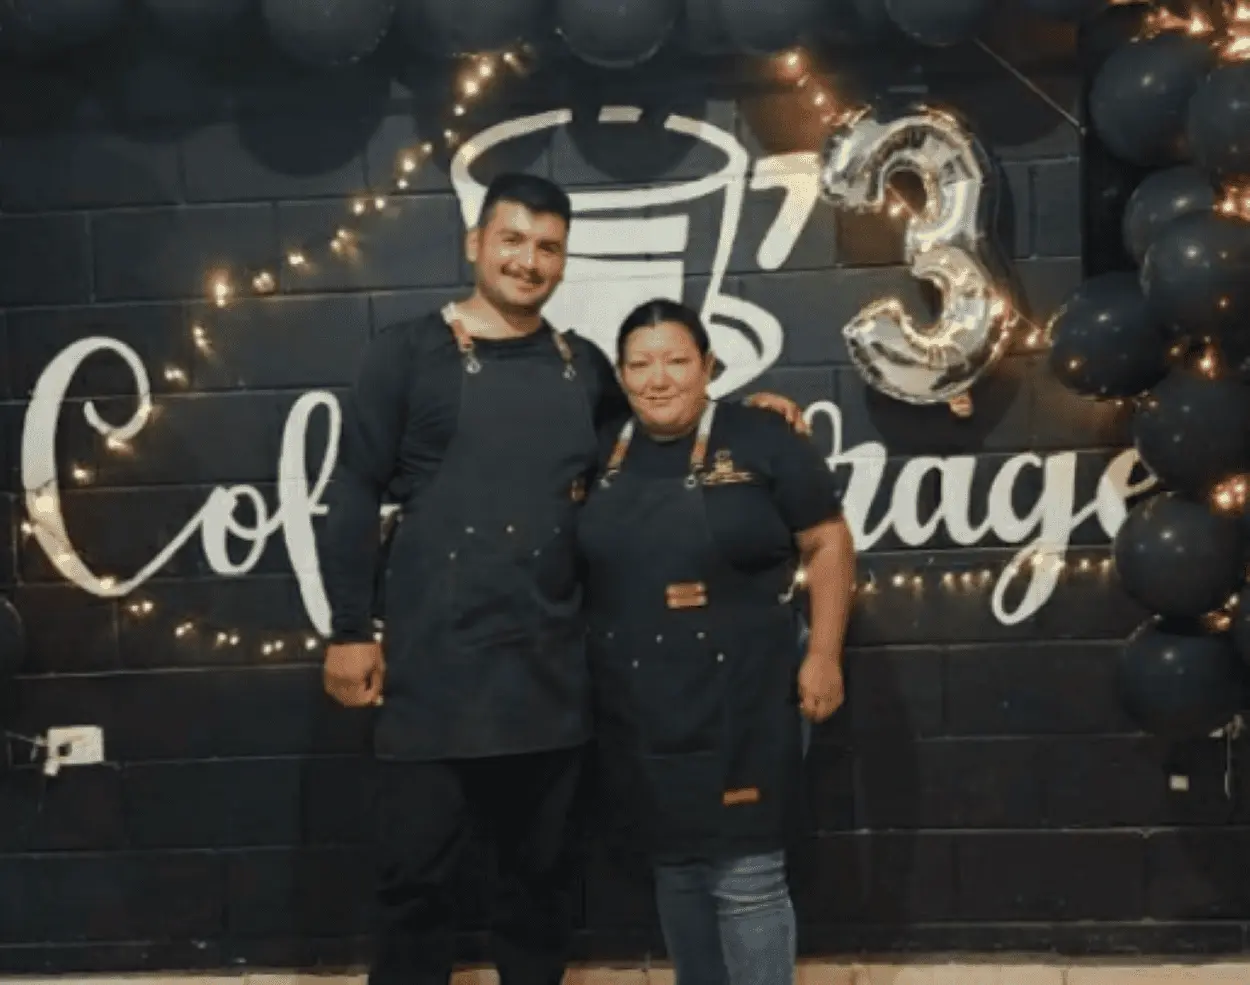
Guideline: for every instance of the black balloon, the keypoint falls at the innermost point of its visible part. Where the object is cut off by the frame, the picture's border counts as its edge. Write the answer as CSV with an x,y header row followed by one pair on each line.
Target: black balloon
x,y
1139,102
940,22
328,33
1177,558
704,28
41,26
1194,432
766,28
1219,122
459,27
616,33
1196,276
873,21
1105,341
1161,197
198,22
1179,681
1063,10
1108,30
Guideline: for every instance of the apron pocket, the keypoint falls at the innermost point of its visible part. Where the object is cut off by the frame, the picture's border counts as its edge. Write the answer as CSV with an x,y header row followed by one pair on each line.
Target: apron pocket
x,y
491,601
685,802
556,581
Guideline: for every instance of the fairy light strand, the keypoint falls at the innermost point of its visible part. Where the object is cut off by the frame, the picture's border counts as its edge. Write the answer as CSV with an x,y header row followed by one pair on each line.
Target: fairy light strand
x,y
477,77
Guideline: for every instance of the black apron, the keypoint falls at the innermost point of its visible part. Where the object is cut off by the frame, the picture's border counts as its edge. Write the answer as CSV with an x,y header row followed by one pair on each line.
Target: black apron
x,y
693,671
484,635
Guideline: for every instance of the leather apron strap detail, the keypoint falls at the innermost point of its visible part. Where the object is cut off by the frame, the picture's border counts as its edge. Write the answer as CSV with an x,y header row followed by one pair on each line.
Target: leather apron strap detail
x,y
468,351
686,595
566,354
698,454
464,341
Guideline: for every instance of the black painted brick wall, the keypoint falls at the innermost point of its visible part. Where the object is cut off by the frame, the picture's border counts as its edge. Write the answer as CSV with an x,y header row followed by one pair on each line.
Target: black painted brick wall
x,y
981,791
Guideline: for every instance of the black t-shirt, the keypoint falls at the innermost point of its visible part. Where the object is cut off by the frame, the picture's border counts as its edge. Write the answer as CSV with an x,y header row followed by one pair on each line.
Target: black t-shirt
x,y
398,422
753,522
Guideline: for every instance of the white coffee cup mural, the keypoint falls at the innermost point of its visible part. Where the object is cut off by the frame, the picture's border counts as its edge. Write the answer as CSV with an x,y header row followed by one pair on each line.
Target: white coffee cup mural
x,y
619,261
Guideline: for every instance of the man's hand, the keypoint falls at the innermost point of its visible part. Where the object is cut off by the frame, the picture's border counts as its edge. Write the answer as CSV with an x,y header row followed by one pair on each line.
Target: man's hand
x,y
784,406
354,673
821,691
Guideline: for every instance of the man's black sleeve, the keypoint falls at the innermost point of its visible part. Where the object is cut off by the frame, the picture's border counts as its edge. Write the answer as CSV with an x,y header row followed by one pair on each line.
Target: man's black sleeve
x,y
373,420
612,404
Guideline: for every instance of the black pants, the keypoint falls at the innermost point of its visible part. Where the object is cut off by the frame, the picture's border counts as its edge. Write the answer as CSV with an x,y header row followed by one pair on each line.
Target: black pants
x,y
424,815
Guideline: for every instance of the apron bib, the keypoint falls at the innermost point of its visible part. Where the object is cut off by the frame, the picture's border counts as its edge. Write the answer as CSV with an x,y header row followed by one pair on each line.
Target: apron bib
x,y
692,667
484,635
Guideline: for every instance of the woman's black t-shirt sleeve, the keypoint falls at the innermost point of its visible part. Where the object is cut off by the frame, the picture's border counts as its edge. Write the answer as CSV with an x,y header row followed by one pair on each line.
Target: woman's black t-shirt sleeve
x,y
804,488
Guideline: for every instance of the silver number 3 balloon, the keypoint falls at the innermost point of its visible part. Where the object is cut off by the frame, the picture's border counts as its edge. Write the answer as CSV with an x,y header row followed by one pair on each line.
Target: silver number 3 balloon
x,y
946,243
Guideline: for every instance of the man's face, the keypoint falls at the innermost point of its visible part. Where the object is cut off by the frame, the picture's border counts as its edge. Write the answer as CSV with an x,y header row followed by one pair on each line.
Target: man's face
x,y
518,256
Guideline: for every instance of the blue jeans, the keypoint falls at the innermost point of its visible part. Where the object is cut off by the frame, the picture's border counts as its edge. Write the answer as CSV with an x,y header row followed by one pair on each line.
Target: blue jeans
x,y
728,922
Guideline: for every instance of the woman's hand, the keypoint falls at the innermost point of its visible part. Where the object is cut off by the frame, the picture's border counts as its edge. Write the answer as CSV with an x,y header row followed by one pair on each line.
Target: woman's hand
x,y
784,406
821,690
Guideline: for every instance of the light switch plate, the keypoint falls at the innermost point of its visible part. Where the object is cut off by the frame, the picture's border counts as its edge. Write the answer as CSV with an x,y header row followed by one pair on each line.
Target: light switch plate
x,y
76,745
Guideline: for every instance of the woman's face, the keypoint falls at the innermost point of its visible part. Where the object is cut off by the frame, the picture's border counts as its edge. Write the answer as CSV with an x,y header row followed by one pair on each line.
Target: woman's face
x,y
665,377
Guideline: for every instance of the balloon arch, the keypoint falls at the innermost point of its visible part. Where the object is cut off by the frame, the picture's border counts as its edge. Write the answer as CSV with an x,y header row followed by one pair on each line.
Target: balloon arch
x,y
1171,336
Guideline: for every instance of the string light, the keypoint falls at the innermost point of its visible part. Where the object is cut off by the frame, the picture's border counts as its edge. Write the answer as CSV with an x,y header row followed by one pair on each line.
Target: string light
x,y
1235,45
974,577
1160,20
1208,364
1228,498
1235,202
479,74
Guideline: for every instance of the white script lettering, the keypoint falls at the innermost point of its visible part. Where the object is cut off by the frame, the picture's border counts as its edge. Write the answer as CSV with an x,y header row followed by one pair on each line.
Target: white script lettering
x,y
1047,529
1052,519
216,521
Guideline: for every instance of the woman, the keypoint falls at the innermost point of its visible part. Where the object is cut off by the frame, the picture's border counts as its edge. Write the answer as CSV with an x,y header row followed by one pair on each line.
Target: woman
x,y
692,539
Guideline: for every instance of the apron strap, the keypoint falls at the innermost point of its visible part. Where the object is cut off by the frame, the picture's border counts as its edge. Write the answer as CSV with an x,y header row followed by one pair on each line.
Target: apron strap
x,y
566,353
468,351
464,341
698,454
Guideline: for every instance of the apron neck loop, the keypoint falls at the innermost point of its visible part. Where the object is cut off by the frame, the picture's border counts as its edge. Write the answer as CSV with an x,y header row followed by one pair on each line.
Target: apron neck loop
x,y
468,351
698,454
566,354
464,341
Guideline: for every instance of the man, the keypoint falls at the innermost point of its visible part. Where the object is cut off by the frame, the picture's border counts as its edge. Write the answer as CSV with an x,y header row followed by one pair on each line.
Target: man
x,y
479,421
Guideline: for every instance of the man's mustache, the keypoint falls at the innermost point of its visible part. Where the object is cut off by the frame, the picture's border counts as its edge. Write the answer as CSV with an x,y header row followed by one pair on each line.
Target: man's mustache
x,y
526,275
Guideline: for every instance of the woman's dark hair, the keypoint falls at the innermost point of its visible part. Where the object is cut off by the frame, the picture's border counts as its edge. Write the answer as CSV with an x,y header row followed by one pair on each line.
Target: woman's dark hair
x,y
656,312
537,194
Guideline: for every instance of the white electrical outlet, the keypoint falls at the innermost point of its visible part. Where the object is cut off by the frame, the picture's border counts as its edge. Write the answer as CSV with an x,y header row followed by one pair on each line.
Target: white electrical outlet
x,y
74,745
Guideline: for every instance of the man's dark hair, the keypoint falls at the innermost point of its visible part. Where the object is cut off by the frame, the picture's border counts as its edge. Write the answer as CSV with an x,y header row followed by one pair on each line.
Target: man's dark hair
x,y
537,194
